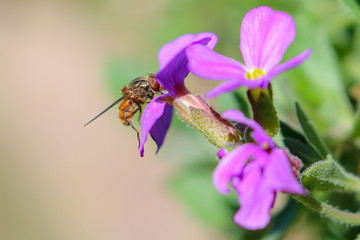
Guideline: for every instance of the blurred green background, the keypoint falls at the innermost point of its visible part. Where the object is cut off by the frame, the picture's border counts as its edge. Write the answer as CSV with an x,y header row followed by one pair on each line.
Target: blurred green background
x,y
62,62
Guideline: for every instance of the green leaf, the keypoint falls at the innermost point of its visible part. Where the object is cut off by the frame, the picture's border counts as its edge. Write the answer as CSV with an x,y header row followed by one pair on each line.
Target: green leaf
x,y
302,149
328,175
288,132
356,127
310,133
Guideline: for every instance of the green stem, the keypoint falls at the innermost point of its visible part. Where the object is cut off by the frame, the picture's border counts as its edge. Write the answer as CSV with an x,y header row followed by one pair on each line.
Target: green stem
x,y
330,212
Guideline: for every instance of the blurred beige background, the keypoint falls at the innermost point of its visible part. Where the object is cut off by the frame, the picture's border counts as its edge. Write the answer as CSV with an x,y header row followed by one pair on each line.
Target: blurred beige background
x,y
59,180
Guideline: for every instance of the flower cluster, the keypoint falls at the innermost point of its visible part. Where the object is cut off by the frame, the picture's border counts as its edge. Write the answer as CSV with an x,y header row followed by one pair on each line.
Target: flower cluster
x,y
256,168
257,171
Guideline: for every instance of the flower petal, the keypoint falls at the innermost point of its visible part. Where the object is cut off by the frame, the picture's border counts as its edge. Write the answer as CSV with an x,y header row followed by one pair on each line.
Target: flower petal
x,y
255,200
226,86
206,63
231,165
172,49
230,85
259,134
155,120
265,36
173,61
289,64
278,173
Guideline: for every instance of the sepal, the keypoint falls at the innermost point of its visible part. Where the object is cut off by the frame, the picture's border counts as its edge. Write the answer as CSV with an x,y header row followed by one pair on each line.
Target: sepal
x,y
264,112
328,175
216,129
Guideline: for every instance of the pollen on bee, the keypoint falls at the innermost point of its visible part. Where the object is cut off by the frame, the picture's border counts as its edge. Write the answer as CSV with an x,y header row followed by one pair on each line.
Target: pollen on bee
x,y
255,73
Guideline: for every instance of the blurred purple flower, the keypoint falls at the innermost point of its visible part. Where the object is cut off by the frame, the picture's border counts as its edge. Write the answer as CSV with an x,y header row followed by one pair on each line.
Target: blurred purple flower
x,y
173,70
257,171
265,36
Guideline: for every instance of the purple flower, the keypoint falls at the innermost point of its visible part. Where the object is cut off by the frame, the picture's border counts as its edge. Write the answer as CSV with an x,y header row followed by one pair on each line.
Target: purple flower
x,y
265,36
257,171
157,115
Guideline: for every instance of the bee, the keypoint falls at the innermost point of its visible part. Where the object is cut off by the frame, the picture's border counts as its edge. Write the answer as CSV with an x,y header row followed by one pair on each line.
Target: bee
x,y
139,91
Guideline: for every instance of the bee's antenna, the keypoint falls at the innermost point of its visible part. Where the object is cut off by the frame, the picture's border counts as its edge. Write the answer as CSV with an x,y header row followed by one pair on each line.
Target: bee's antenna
x,y
105,110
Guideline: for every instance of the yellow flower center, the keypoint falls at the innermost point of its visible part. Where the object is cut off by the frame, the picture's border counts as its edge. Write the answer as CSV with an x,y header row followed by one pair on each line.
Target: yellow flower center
x,y
254,74
264,145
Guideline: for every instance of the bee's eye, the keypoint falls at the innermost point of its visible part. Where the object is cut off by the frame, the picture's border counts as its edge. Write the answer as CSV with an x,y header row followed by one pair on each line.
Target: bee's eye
x,y
153,83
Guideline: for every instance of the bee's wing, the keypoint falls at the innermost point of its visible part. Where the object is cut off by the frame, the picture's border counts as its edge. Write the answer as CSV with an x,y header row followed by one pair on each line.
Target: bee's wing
x,y
105,110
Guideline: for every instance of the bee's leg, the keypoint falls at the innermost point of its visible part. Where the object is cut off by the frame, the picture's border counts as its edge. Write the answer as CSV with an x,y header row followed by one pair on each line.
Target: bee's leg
x,y
139,108
140,113
137,133
142,101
